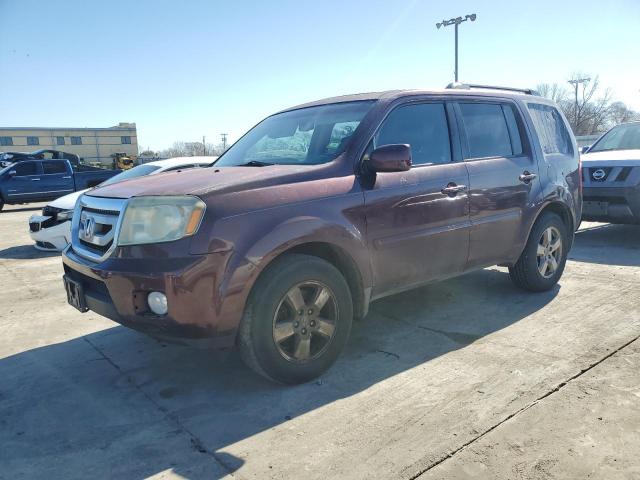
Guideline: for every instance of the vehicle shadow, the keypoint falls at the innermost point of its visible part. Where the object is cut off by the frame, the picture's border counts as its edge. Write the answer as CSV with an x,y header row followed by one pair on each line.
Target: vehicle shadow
x,y
20,208
608,244
117,403
25,252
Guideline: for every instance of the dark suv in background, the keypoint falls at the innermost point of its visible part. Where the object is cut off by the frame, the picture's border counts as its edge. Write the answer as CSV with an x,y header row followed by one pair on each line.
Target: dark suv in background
x,y
324,207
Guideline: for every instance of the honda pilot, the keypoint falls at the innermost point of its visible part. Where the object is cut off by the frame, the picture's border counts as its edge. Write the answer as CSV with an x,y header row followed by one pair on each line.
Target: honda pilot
x,y
322,208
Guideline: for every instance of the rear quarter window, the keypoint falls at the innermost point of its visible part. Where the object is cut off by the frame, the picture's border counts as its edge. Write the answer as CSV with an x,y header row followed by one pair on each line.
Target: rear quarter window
x,y
552,132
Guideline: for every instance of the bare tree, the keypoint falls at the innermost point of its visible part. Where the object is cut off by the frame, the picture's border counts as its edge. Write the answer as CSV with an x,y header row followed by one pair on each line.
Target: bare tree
x,y
620,113
190,149
590,110
553,91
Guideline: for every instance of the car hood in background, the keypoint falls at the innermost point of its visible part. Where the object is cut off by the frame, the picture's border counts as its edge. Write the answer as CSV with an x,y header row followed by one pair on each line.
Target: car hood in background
x,y
68,201
623,158
200,181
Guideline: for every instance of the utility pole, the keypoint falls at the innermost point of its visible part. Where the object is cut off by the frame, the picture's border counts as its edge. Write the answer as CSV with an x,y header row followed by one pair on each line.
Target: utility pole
x,y
575,84
204,147
224,141
455,22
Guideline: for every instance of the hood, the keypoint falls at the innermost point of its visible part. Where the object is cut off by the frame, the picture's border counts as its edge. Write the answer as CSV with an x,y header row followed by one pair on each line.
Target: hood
x,y
622,158
68,201
201,181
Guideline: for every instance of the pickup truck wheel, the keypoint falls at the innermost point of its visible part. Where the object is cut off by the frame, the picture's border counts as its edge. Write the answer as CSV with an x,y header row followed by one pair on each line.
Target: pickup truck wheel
x,y
1,204
542,262
297,319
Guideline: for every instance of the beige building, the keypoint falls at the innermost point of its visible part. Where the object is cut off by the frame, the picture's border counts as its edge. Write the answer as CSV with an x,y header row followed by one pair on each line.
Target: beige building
x,y
91,144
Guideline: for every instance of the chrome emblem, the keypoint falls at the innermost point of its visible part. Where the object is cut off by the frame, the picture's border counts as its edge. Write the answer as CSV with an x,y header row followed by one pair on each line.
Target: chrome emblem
x,y
88,227
599,174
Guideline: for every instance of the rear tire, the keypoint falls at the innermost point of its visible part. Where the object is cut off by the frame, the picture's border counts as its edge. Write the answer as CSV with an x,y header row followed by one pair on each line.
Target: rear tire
x,y
1,204
297,319
544,257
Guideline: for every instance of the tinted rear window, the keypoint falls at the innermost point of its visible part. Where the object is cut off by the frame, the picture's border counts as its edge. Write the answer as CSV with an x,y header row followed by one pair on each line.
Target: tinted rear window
x,y
488,133
554,136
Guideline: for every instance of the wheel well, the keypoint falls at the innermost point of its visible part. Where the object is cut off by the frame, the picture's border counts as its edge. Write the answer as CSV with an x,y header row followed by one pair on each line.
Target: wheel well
x,y
340,259
564,213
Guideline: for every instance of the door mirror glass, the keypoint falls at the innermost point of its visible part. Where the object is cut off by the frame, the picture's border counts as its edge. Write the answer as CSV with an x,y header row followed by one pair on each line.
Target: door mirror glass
x,y
391,158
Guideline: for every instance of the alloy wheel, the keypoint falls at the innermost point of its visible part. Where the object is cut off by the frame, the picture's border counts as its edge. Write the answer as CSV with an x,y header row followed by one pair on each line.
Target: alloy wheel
x,y
305,321
549,252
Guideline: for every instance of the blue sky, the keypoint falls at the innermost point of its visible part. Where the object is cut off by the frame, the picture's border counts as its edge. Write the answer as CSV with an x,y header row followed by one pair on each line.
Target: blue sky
x,y
185,69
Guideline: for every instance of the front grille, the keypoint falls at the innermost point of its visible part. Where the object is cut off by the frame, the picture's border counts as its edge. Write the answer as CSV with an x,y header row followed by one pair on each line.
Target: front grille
x,y
595,174
37,226
97,249
94,231
624,174
101,212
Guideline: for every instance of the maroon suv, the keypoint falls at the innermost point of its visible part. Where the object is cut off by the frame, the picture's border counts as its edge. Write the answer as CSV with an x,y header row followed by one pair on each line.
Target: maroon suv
x,y
324,207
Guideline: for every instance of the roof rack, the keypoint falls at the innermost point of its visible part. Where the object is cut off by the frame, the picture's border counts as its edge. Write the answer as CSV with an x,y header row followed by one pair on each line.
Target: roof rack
x,y
469,86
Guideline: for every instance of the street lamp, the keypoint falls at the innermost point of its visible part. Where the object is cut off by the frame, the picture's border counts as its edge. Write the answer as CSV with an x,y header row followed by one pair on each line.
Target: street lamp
x,y
575,83
456,21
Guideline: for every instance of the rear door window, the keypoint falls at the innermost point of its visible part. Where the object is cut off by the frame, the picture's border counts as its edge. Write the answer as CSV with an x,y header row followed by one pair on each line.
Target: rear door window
x,y
491,130
552,132
54,167
424,127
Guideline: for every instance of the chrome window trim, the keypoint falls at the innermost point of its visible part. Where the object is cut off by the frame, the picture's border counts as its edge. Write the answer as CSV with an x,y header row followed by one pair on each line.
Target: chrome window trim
x,y
110,204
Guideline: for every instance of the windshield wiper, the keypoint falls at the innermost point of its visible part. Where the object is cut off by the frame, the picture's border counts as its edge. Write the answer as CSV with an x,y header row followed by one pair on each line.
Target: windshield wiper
x,y
255,163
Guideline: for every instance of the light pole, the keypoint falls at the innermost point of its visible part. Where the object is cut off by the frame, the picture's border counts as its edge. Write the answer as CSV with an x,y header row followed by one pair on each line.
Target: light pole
x,y
575,84
455,22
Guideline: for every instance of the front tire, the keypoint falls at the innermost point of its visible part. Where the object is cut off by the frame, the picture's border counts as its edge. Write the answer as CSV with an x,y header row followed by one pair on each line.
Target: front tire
x,y
297,319
544,257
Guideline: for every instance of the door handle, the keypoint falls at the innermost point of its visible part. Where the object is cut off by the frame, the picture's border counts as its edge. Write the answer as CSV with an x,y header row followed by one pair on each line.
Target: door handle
x,y
527,176
66,177
35,179
453,189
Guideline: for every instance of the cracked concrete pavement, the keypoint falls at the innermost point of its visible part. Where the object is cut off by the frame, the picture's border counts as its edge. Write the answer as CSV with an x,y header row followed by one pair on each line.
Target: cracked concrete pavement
x,y
469,378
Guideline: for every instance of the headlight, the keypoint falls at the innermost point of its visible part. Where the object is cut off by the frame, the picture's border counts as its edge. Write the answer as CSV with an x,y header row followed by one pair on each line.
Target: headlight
x,y
64,215
160,219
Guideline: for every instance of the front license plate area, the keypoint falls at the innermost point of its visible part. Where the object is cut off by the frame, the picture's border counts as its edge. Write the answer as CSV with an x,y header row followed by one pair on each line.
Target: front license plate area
x,y
596,208
75,294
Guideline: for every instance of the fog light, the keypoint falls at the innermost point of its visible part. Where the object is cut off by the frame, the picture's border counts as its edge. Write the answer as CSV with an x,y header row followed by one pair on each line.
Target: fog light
x,y
157,303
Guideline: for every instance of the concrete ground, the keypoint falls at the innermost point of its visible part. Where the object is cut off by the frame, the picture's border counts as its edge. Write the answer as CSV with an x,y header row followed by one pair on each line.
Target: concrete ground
x,y
469,378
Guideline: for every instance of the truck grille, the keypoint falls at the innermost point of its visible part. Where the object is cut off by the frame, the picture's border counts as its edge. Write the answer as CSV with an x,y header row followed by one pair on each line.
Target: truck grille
x,y
95,226
611,176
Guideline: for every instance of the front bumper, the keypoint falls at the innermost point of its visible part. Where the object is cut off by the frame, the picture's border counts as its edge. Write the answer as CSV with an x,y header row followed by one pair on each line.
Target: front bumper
x,y
53,238
118,288
611,204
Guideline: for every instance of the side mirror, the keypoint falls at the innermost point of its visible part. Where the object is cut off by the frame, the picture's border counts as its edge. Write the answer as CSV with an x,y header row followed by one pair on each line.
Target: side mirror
x,y
12,173
391,158
585,149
